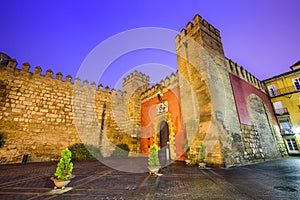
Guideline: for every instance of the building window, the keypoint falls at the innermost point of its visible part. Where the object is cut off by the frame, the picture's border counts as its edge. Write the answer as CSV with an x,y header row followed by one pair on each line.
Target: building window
x,y
292,145
296,82
285,125
279,109
273,90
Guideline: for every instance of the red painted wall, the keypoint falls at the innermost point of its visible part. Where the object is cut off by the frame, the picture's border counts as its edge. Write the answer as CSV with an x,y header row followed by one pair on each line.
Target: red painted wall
x,y
241,91
148,114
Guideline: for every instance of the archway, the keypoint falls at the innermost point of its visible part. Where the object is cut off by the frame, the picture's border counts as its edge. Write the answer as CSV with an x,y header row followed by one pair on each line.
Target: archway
x,y
164,152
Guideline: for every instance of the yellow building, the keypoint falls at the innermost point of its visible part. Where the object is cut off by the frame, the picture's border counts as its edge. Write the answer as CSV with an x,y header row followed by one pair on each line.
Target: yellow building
x,y
284,92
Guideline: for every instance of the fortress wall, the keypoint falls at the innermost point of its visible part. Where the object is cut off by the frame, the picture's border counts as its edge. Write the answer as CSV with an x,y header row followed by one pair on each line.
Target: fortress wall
x,y
38,115
239,71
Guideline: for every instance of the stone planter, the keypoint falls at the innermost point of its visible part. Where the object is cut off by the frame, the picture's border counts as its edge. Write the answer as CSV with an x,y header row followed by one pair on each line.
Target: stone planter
x,y
188,162
202,164
61,183
153,169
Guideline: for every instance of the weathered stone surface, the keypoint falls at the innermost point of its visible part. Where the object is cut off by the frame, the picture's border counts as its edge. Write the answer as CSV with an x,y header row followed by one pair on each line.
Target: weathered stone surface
x,y
208,102
40,114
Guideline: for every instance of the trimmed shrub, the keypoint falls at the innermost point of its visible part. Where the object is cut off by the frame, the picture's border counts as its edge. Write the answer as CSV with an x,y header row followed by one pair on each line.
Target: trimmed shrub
x,y
121,151
202,152
153,156
85,152
65,166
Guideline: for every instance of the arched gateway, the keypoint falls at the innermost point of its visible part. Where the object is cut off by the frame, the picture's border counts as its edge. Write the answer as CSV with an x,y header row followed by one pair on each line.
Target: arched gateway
x,y
164,152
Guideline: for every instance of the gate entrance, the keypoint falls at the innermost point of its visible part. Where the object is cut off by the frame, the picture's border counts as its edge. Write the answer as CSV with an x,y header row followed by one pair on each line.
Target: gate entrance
x,y
164,152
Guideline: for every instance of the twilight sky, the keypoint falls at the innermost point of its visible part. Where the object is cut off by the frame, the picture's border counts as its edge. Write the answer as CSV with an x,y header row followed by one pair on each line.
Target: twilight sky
x,y
263,36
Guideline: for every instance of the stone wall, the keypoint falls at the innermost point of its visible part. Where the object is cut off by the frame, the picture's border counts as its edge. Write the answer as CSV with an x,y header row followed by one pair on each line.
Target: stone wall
x,y
252,142
41,114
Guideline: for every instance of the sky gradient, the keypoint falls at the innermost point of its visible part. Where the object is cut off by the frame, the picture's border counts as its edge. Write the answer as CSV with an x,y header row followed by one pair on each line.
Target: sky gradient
x,y
263,36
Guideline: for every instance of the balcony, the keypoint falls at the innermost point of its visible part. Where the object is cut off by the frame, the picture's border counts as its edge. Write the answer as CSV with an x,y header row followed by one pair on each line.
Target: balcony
x,y
283,91
281,111
286,131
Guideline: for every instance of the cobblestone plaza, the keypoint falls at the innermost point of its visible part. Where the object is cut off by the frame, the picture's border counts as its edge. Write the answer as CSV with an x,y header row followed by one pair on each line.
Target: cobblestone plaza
x,y
277,179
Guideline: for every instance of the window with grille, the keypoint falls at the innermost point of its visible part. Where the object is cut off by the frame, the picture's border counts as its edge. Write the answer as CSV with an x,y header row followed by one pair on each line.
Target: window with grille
x,y
273,90
291,142
296,82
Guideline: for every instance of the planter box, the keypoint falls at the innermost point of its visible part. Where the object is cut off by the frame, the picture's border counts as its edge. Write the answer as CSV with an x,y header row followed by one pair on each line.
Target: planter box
x,y
153,169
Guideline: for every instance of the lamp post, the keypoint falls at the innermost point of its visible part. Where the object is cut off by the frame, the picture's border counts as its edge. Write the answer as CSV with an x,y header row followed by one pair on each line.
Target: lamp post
x,y
160,96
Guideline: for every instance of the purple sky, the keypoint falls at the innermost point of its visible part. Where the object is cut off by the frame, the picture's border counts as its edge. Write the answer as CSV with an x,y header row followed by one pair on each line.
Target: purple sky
x,y
263,36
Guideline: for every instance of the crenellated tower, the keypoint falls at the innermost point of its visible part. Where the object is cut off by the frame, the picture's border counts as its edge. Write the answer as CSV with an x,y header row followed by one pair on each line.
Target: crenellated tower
x,y
208,97
200,58
134,81
205,34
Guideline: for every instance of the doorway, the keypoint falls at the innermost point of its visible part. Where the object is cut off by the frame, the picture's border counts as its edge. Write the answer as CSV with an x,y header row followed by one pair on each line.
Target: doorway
x,y
164,152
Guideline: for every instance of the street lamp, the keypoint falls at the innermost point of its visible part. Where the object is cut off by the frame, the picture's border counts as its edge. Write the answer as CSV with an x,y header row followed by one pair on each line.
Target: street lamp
x,y
160,96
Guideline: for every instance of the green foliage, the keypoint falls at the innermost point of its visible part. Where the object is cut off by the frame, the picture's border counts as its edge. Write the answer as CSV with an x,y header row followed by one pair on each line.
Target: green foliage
x,y
188,153
202,152
65,166
121,151
188,149
1,139
85,152
153,156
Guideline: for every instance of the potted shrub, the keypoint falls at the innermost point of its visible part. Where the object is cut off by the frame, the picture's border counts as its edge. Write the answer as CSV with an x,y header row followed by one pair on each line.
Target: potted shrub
x,y
202,152
153,161
188,159
63,173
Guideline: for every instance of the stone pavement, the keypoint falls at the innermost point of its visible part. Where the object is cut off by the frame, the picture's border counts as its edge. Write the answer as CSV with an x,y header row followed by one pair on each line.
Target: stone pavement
x,y
277,179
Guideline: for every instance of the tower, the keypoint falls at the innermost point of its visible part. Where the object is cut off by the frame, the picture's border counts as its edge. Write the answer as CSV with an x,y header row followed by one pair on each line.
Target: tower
x,y
133,85
202,70
134,81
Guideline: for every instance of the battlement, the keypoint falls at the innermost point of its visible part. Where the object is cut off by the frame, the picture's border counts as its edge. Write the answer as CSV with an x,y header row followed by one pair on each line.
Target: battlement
x,y
143,77
244,74
134,81
203,33
4,58
198,24
11,66
168,83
